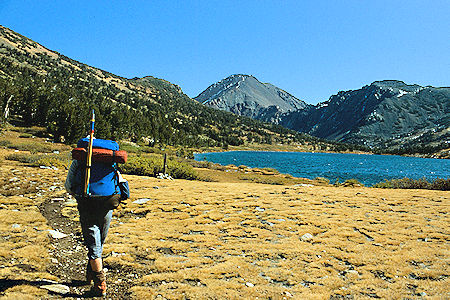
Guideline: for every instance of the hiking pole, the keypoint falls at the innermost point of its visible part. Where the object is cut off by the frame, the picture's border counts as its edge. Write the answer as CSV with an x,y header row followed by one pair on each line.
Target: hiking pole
x,y
89,157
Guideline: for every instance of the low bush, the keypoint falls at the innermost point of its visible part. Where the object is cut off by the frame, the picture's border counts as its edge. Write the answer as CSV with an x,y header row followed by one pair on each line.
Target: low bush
x,y
24,157
138,165
130,148
31,131
271,170
153,165
53,160
352,183
423,183
322,180
5,143
207,165
262,179
32,147
178,169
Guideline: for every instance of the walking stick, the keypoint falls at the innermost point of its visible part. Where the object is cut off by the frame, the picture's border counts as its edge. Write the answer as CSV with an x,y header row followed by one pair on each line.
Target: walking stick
x,y
89,157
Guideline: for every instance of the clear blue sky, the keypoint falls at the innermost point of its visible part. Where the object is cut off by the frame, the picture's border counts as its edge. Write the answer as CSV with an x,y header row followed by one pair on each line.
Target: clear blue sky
x,y
312,49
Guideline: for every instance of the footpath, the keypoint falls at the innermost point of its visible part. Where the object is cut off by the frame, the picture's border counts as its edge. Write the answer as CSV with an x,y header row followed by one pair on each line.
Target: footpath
x,y
27,196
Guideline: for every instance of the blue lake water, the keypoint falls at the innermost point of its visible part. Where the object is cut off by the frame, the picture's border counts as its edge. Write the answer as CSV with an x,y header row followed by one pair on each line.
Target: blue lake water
x,y
368,169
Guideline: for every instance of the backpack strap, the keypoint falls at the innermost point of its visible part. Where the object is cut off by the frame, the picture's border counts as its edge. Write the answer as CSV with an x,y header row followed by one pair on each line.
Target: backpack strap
x,y
116,175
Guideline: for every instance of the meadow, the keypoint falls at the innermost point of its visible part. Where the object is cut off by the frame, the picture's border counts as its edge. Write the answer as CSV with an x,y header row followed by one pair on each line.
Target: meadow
x,y
237,235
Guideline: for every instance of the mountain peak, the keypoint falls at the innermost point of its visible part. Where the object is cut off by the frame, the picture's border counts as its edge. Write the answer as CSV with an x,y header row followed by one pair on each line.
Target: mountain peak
x,y
245,95
388,82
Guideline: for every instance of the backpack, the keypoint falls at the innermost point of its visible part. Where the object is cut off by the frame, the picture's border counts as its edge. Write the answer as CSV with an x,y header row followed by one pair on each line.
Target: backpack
x,y
103,179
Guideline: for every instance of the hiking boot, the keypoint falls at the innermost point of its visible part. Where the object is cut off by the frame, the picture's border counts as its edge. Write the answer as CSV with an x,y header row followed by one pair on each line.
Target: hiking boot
x,y
99,288
89,273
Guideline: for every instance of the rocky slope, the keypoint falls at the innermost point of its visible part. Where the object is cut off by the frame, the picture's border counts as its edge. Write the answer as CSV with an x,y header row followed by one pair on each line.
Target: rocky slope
x,y
390,115
386,114
246,96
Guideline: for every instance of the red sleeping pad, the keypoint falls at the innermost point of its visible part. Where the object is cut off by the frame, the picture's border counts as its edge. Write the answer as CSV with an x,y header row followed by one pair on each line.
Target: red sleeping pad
x,y
101,155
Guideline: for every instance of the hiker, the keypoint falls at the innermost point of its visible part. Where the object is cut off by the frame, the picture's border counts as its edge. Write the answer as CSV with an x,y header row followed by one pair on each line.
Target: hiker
x,y
96,208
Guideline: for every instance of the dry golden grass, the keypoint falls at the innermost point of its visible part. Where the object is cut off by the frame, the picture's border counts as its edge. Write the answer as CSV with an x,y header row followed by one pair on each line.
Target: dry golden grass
x,y
234,240
238,239
24,239
24,292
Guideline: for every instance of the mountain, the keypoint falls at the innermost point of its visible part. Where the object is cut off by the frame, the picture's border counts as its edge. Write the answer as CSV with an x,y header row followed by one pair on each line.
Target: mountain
x,y
386,114
244,95
40,87
389,115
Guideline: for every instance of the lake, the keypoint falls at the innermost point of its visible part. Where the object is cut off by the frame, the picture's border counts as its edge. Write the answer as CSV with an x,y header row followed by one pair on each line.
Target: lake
x,y
368,169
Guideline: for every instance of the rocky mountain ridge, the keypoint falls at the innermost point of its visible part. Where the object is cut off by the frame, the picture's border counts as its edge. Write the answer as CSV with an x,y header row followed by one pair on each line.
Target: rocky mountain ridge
x,y
385,114
388,114
246,96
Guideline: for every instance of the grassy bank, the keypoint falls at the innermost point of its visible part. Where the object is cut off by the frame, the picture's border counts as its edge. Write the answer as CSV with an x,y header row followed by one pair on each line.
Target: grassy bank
x,y
243,233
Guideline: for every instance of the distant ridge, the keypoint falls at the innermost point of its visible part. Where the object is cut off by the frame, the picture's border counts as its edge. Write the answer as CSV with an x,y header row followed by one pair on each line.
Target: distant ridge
x,y
387,114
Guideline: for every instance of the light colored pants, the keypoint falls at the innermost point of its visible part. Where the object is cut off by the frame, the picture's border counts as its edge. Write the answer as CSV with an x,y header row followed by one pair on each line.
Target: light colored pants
x,y
95,219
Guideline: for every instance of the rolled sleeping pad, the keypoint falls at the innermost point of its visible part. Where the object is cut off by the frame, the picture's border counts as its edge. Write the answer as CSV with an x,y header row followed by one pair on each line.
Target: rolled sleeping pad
x,y
101,155
98,143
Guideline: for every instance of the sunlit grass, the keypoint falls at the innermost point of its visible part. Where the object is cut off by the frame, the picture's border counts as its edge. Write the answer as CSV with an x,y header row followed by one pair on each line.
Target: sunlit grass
x,y
235,238
244,240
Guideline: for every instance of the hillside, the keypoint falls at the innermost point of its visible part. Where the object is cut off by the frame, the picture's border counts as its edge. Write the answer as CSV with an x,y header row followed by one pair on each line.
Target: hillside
x,y
44,88
245,95
386,114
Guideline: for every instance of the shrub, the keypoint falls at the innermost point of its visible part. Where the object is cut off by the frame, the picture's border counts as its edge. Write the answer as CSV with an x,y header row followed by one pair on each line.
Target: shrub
x,y
178,169
23,157
5,143
423,183
207,165
31,131
441,184
271,170
138,165
148,149
262,179
32,147
352,183
36,160
53,161
322,180
130,148
152,165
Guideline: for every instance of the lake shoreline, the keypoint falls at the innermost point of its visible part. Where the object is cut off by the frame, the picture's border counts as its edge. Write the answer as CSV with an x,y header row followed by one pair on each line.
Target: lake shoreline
x,y
442,154
369,169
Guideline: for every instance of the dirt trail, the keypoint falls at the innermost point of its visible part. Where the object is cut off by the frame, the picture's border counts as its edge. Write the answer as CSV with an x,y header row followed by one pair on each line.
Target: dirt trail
x,y
22,188
69,255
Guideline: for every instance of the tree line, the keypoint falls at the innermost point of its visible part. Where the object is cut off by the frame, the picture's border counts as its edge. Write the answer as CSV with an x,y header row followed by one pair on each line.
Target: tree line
x,y
59,93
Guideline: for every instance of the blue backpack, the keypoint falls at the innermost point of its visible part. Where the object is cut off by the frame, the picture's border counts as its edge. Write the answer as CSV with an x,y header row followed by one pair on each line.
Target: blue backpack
x,y
103,180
